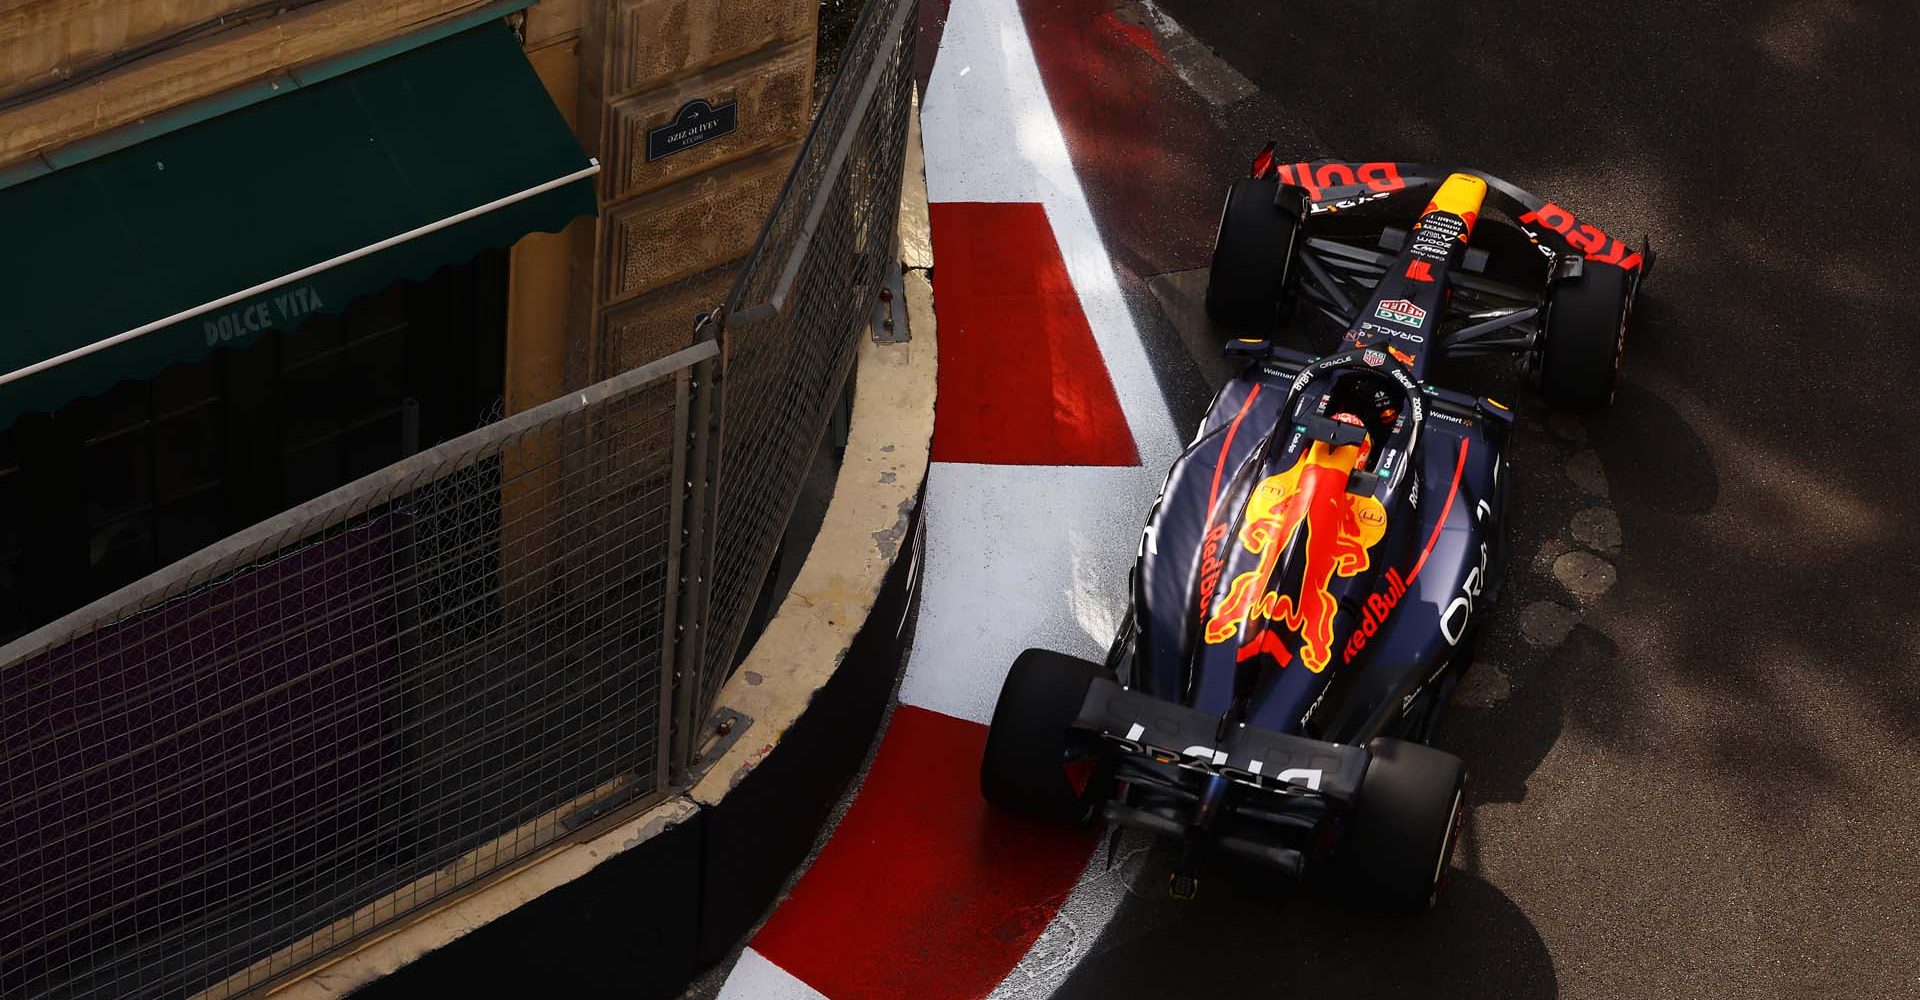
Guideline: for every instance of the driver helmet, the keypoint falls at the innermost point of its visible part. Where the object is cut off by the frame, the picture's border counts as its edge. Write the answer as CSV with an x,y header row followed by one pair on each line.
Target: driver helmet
x,y
1366,443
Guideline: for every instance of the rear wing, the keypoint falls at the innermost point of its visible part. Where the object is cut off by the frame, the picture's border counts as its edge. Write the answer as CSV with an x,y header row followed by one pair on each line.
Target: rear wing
x,y
1334,185
1144,726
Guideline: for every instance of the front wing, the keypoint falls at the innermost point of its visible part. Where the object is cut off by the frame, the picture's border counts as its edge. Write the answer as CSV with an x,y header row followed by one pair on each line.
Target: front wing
x,y
1339,184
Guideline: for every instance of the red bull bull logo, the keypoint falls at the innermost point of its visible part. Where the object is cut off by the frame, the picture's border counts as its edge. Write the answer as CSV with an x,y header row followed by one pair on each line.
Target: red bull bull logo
x,y
1340,527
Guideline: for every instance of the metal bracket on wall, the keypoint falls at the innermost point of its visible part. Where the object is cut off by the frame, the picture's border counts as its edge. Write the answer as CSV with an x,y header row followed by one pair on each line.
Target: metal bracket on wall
x,y
890,310
726,728
603,806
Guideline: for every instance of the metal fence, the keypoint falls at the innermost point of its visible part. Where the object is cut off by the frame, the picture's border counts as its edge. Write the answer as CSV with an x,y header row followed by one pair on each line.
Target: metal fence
x,y
322,724
797,312
345,712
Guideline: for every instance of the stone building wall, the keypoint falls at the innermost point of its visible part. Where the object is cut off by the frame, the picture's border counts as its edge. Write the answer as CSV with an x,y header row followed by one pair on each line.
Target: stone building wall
x,y
670,230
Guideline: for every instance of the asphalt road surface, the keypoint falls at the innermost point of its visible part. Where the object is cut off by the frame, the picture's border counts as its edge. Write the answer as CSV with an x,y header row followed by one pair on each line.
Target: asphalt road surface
x,y
1692,727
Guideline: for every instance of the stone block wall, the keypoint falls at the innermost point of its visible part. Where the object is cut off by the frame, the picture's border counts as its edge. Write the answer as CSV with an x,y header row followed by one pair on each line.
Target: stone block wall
x,y
670,230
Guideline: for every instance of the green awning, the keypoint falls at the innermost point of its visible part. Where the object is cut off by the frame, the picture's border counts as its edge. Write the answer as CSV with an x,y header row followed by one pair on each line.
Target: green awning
x,y
119,266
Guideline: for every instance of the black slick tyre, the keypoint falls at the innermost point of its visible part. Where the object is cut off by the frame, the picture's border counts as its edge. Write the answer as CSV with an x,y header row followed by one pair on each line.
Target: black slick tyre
x,y
1585,338
1246,284
1034,764
1404,825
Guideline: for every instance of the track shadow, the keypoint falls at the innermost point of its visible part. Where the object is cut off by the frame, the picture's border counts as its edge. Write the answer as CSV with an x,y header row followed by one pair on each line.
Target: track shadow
x,y
1642,432
1739,712
1251,934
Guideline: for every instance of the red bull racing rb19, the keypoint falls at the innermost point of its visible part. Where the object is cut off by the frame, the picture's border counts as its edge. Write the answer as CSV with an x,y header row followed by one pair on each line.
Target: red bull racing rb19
x,y
1309,581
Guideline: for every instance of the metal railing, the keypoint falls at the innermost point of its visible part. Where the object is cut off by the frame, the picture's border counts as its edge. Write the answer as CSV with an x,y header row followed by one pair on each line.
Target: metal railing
x,y
318,726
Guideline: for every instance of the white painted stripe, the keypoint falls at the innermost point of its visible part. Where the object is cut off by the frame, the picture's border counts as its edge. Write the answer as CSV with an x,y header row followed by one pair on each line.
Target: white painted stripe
x,y
755,977
1019,557
1076,927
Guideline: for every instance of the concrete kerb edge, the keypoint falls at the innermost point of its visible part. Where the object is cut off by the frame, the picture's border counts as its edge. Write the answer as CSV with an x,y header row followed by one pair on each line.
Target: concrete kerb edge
x,y
867,522
868,526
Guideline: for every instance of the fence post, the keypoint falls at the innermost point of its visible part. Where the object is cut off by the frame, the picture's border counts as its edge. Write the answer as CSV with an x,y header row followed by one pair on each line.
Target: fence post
x,y
687,713
793,319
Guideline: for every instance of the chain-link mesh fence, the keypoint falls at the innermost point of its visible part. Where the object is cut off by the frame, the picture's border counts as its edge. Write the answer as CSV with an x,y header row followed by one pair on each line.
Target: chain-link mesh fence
x,y
269,749
290,739
797,311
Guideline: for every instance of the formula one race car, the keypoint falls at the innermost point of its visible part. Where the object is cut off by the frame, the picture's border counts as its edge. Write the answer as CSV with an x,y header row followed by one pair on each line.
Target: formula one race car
x,y
1309,580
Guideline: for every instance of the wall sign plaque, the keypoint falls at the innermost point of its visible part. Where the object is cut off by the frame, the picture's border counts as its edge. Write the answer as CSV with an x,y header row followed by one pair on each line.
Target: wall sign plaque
x,y
696,122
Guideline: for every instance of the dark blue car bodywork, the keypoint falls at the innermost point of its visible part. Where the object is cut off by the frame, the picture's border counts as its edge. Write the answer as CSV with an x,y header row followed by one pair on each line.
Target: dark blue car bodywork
x,y
1399,624
1312,573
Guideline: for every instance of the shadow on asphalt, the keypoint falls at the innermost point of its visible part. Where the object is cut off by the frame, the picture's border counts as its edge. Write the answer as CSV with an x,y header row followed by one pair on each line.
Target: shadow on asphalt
x,y
1739,714
1752,747
1249,933
1643,431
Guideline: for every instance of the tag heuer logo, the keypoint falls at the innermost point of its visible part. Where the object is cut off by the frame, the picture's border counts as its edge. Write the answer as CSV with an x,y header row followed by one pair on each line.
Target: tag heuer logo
x,y
1401,311
1373,358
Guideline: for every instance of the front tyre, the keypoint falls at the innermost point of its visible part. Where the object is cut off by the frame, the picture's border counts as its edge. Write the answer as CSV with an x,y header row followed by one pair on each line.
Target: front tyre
x,y
1246,284
1035,763
1585,337
1404,825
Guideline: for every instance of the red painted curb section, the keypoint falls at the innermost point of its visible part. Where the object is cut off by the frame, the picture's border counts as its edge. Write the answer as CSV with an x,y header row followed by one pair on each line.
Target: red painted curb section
x,y
923,891
1021,379
1145,147
1139,35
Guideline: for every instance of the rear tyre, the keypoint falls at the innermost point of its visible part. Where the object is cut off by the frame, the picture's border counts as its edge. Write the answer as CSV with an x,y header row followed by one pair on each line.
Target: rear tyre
x,y
1034,763
1585,338
1246,285
1404,825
